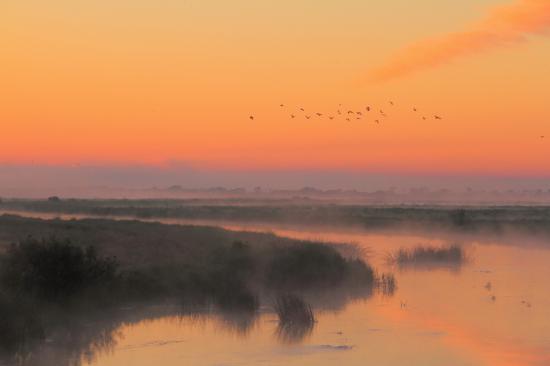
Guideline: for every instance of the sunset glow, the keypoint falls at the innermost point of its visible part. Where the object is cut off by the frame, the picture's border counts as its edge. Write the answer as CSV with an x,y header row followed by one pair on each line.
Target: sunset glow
x,y
142,82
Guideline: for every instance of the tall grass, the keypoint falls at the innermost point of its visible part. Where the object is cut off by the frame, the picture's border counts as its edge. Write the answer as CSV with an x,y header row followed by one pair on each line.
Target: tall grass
x,y
54,269
296,318
292,310
452,255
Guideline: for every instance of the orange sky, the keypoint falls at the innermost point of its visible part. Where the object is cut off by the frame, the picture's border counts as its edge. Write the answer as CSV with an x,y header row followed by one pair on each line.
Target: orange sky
x,y
141,81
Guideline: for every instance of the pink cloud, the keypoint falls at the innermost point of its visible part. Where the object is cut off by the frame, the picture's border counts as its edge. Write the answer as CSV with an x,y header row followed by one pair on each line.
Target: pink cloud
x,y
504,25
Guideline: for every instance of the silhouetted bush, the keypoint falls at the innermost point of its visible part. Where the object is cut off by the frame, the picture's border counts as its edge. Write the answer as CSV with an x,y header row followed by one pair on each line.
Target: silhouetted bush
x,y
54,269
304,266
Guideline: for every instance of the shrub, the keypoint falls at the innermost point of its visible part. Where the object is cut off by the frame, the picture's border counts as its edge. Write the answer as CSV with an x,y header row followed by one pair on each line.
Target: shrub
x,y
54,269
305,266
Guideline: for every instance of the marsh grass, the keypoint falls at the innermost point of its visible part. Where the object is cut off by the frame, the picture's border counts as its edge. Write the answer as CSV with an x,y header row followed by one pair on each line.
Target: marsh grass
x,y
386,284
292,309
424,256
296,318
201,268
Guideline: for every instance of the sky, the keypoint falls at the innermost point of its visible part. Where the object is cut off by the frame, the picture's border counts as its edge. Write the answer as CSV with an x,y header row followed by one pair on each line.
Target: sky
x,y
152,83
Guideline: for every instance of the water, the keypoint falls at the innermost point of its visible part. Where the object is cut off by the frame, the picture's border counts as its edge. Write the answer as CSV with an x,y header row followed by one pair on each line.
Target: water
x,y
492,311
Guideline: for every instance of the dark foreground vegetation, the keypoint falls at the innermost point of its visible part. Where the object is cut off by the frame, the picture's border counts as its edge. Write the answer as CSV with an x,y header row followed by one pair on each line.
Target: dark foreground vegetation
x,y
86,266
429,257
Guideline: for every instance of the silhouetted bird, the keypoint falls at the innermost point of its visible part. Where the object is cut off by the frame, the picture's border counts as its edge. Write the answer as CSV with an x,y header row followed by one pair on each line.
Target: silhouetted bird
x,y
368,109
339,112
359,113
251,117
391,103
424,118
414,109
377,121
302,109
308,117
319,114
351,112
292,116
438,117
282,105
331,117
347,119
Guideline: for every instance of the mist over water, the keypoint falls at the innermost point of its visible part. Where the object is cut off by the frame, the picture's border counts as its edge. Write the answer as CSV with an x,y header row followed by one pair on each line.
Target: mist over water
x,y
488,310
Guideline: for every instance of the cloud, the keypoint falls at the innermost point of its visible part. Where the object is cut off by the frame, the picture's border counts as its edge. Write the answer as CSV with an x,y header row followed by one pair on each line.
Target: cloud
x,y
503,26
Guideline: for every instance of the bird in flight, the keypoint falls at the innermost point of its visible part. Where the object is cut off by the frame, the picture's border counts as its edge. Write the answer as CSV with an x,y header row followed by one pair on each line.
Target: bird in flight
x,y
438,117
414,109
351,112
292,116
391,103
319,114
359,113
347,119
368,109
424,118
282,105
331,117
308,117
377,121
302,109
251,117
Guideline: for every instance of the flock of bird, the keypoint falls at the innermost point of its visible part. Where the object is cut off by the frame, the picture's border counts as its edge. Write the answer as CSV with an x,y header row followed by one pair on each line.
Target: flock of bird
x,y
376,115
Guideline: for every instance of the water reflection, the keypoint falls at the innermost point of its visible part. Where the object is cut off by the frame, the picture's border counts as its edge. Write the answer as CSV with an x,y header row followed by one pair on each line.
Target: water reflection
x,y
293,333
75,338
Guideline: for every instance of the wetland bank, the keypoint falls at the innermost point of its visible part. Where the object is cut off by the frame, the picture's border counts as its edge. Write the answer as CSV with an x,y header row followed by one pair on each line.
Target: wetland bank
x,y
178,286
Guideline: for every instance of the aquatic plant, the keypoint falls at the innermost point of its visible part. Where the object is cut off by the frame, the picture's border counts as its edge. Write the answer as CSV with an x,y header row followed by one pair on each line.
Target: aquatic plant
x,y
292,309
386,284
428,256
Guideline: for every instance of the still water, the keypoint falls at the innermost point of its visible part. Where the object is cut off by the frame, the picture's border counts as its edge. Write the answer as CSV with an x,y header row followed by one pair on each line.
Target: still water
x,y
492,311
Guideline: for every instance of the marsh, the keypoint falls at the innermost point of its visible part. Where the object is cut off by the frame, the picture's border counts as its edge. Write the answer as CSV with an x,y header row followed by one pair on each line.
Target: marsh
x,y
436,315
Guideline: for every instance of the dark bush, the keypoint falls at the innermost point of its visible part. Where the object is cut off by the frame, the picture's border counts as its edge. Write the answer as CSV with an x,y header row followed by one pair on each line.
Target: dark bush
x,y
54,269
223,280
304,266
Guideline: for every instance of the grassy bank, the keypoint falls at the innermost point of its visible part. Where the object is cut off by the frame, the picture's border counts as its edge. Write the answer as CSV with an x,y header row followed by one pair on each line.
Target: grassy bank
x,y
468,218
49,268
